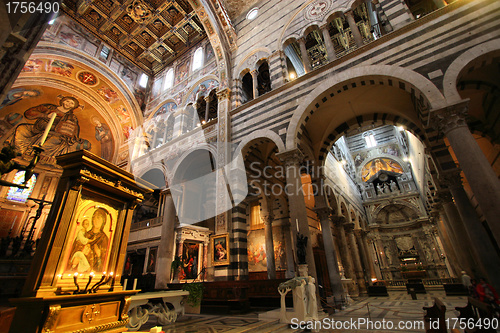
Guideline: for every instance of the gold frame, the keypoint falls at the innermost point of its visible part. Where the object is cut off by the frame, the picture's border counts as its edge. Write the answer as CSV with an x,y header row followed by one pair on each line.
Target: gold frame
x,y
225,260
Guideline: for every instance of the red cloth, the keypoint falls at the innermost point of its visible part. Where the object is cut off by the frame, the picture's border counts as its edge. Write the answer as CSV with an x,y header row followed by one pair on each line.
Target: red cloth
x,y
482,293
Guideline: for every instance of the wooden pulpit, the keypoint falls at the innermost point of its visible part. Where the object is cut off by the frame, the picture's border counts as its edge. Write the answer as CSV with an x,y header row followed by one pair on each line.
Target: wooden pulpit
x,y
74,280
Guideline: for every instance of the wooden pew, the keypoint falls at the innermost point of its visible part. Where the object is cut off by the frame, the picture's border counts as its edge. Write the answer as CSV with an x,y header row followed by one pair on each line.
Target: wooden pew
x,y
434,318
477,312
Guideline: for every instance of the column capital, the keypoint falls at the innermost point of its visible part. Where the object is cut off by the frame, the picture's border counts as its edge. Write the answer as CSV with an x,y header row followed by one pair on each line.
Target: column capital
x,y
349,226
224,94
339,220
450,117
254,73
324,27
451,179
323,213
302,40
349,13
445,196
277,54
291,157
267,219
208,98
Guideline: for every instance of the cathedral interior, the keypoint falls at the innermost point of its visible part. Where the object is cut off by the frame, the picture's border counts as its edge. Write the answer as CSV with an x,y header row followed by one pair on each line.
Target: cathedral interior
x,y
369,127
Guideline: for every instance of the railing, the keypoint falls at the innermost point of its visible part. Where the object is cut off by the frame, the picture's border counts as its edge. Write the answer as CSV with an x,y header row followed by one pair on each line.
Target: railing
x,y
147,223
428,282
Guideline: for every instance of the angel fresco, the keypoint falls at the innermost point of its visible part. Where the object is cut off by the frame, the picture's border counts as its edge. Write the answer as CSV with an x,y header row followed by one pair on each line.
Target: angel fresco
x,y
64,134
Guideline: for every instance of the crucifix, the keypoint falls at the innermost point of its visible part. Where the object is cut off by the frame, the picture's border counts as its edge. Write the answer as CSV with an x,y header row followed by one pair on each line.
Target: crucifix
x,y
41,204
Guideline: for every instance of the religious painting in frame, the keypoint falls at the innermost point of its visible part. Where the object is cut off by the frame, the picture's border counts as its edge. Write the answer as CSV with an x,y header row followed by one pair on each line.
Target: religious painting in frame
x,y
151,267
88,247
220,249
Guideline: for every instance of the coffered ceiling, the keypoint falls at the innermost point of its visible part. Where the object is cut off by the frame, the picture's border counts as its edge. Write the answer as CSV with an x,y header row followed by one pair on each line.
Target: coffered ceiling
x,y
150,33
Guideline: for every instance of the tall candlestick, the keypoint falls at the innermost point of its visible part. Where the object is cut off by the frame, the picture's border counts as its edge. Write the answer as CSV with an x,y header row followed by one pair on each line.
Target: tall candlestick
x,y
75,277
91,275
135,284
12,226
297,223
47,129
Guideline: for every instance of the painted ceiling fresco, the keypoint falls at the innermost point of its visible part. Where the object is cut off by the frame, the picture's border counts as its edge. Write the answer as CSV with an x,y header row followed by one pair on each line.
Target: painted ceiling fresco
x,y
89,79
25,113
372,168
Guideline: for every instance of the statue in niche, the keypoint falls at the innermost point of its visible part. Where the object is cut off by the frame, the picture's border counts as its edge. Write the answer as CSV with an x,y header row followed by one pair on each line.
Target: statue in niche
x,y
301,249
380,189
393,186
388,254
386,189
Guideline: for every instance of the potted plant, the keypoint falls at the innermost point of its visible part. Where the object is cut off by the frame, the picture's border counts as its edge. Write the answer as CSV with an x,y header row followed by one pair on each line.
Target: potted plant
x,y
193,302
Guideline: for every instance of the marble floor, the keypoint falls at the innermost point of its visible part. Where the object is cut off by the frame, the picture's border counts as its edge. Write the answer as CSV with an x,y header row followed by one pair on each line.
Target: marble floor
x,y
399,309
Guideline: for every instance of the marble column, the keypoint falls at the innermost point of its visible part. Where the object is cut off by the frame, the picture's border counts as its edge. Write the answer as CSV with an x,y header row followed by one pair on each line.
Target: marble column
x,y
354,28
268,229
358,268
208,99
456,227
203,276
296,204
482,247
365,254
330,50
347,260
451,258
482,178
277,65
290,263
166,247
255,83
330,253
305,57
237,93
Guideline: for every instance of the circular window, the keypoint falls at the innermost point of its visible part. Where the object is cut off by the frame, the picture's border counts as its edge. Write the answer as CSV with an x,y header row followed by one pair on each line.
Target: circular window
x,y
252,13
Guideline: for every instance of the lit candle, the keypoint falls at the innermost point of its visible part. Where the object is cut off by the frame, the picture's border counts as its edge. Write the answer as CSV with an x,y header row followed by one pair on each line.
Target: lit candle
x,y
75,277
47,129
297,223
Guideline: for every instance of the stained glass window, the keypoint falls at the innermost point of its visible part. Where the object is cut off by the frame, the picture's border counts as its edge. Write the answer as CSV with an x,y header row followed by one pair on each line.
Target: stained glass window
x,y
19,194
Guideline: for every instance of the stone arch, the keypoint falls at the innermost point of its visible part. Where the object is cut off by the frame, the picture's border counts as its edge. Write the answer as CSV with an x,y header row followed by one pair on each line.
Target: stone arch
x,y
397,202
211,149
374,119
331,198
250,61
154,175
343,210
221,35
406,79
256,137
186,99
450,78
157,108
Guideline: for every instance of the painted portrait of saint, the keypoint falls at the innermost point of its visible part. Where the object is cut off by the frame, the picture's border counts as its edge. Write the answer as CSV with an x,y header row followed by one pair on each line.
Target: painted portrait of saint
x,y
16,95
64,133
103,135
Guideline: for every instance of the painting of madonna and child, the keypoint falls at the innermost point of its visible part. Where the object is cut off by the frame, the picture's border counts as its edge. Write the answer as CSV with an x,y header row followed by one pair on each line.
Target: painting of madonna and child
x,y
26,111
88,248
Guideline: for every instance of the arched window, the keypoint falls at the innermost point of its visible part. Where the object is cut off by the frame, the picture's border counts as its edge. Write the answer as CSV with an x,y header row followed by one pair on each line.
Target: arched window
x,y
18,194
198,59
169,79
